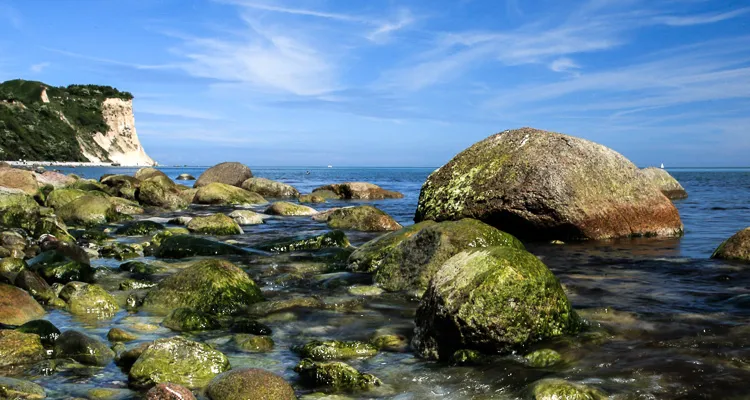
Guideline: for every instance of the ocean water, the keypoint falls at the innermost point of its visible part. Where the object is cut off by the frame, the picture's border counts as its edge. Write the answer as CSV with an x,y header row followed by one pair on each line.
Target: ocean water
x,y
667,322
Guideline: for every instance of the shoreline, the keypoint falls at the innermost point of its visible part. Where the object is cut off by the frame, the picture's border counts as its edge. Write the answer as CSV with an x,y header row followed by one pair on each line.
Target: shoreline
x,y
71,164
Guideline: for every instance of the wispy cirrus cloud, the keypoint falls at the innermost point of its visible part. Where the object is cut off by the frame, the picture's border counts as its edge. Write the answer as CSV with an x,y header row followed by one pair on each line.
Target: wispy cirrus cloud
x,y
37,68
701,19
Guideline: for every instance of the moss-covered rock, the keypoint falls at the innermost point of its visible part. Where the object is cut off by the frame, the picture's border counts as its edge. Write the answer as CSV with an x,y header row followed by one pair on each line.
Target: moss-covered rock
x,y
121,251
558,389
189,320
327,240
89,210
252,343
665,182
311,198
359,191
157,239
169,391
183,246
244,325
88,185
273,306
326,194
37,287
223,194
22,211
543,186
211,286
12,265
19,179
543,358
124,186
216,224
17,306
177,360
229,173
249,383
89,300
83,348
63,264
335,375
47,332
117,335
11,388
468,357
246,217
126,207
325,350
60,197
18,348
269,188
286,208
390,342
139,228
146,173
735,248
140,268
157,194
494,300
362,218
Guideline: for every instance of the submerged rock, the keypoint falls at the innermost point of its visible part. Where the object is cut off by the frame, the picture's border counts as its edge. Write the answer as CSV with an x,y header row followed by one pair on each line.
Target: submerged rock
x,y
325,350
665,182
223,194
211,286
311,198
359,191
217,224
18,348
117,335
189,320
558,389
494,300
735,248
11,388
121,251
253,343
85,299
185,177
177,360
328,240
183,246
543,186
269,188
362,218
334,375
543,358
249,383
17,306
246,217
82,348
139,228
250,326
229,173
286,208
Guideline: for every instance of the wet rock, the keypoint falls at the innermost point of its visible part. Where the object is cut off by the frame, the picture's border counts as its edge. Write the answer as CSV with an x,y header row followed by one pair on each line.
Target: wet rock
x,y
558,389
83,348
157,239
222,194
19,179
217,224
88,185
121,185
269,188
286,208
189,320
11,388
329,240
735,248
249,383
229,173
60,197
326,350
543,358
17,306
18,348
326,194
185,177
169,391
37,287
117,335
140,268
250,326
86,299
139,228
407,259
89,210
148,173
22,211
246,217
468,357
183,246
47,332
543,186
211,286
11,265
252,343
121,251
365,290
493,300
665,182
177,360
390,342
63,263
126,357
132,284
334,375
126,207
311,198
274,306
362,218
159,194
359,191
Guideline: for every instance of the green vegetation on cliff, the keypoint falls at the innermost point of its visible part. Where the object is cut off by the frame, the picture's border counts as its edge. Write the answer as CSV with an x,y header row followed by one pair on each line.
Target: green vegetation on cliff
x,y
33,129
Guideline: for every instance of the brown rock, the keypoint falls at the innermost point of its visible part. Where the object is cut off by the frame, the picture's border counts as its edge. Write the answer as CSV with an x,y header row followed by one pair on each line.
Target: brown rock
x,y
360,191
665,182
735,248
13,178
169,391
17,307
148,172
249,383
230,173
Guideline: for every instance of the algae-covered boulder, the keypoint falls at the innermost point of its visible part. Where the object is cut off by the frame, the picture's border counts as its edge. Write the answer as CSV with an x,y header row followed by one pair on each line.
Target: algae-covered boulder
x,y
362,218
17,306
189,320
335,375
286,208
11,388
139,228
12,265
117,335
410,257
177,360
246,217
249,383
544,186
359,191
325,350
543,358
252,343
60,197
18,348
37,287
185,177
121,251
89,210
88,185
148,173
211,286
121,185
268,188
665,182
223,194
311,198
169,391
84,299
159,237
559,389
157,194
217,224
494,300
19,179
182,246
83,348
63,264
229,173
47,332
19,210
327,240
735,248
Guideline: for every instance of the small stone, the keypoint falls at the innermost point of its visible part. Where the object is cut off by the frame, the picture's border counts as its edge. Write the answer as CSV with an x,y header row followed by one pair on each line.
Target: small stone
x,y
82,348
253,343
334,375
558,389
118,335
318,350
543,358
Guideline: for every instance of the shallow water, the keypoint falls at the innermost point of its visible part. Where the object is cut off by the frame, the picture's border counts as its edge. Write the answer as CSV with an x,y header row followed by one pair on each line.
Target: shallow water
x,y
667,322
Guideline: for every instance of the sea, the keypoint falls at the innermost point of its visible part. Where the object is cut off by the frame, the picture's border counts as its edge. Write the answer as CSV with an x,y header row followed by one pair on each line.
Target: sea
x,y
666,321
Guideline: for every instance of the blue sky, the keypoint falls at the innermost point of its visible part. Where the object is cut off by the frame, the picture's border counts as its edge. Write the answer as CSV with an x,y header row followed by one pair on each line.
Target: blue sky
x,y
400,83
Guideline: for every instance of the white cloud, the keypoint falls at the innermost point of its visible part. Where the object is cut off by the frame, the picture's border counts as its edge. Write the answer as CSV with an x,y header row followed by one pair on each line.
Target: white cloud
x,y
382,32
700,19
37,68
563,64
175,111
298,11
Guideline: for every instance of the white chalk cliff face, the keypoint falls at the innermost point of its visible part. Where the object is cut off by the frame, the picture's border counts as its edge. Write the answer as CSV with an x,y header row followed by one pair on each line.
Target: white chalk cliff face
x,y
120,144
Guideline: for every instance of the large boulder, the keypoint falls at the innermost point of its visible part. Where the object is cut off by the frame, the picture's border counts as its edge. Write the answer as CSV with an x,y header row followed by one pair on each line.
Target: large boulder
x,y
54,179
161,194
19,348
177,360
211,286
17,307
217,224
19,210
11,388
334,376
410,263
249,383
91,300
89,210
735,248
493,300
60,197
83,348
121,185
148,173
286,208
543,186
230,173
359,191
63,263
665,182
268,188
361,218
246,217
183,246
19,179
223,194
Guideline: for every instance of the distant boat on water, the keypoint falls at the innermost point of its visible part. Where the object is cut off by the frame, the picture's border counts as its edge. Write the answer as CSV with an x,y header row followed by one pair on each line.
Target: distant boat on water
x,y
662,165
330,166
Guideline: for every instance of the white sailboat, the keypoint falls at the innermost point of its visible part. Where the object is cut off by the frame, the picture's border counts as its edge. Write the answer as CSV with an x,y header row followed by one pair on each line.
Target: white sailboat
x,y
330,166
662,165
